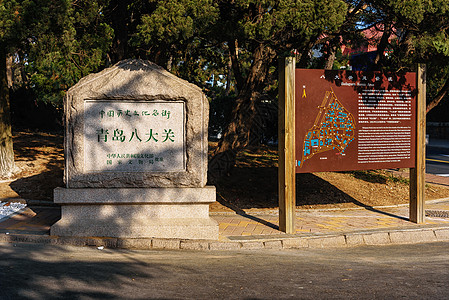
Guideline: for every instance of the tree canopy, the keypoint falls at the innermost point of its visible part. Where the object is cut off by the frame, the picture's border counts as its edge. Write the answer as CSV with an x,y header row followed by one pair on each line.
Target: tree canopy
x,y
228,47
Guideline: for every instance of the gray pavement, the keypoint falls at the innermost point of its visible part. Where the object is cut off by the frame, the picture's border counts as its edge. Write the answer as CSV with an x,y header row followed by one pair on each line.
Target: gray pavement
x,y
438,143
36,271
437,158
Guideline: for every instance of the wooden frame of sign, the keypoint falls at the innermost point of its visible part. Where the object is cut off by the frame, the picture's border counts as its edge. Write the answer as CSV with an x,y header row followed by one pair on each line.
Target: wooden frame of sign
x,y
289,165
417,174
286,144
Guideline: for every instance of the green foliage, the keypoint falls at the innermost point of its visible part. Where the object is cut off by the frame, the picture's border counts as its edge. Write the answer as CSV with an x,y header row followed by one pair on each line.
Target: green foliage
x,y
9,17
341,61
56,42
441,44
73,43
426,22
281,24
176,21
423,28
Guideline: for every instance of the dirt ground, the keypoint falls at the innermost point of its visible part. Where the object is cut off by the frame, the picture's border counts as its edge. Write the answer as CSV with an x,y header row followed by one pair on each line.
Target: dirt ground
x,y
40,158
252,184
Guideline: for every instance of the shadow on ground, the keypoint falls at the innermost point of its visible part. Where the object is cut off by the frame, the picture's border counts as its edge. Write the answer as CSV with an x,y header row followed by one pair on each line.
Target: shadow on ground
x,y
38,187
40,158
258,188
30,272
249,188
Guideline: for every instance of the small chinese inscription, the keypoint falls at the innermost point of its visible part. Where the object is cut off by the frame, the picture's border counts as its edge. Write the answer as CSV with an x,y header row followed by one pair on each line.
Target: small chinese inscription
x,y
134,136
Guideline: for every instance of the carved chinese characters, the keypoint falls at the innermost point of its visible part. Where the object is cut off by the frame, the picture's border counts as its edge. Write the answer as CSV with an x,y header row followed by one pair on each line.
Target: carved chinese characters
x,y
134,136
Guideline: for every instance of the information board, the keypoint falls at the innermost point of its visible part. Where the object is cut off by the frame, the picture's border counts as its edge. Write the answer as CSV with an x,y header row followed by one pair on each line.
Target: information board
x,y
354,120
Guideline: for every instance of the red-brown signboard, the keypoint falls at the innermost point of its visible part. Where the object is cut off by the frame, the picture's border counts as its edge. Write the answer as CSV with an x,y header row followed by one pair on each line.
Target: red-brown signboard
x,y
354,120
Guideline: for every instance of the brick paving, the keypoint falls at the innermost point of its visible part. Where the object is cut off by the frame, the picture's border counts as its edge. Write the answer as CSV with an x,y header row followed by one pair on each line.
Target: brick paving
x,y
37,220
31,220
326,221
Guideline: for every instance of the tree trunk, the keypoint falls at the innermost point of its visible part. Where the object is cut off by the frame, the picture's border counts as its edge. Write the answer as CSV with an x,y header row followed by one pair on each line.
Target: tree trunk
x,y
406,45
9,71
238,133
383,43
119,19
331,57
235,62
169,63
228,76
440,96
6,150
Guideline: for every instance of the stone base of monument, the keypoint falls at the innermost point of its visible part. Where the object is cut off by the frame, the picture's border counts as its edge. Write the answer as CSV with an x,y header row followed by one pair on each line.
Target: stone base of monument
x,y
136,212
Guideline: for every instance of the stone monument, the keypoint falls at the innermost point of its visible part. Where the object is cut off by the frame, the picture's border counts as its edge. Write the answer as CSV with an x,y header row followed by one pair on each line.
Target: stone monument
x,y
135,156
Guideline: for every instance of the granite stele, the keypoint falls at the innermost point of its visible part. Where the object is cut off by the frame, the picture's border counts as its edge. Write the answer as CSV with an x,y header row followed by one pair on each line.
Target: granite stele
x,y
135,156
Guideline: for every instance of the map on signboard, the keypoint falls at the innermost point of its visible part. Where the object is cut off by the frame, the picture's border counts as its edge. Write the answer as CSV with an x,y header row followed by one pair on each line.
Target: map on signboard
x,y
334,129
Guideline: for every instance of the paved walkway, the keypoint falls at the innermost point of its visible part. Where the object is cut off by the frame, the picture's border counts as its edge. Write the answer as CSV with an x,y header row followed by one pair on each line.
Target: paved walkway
x,y
38,219
322,222
31,220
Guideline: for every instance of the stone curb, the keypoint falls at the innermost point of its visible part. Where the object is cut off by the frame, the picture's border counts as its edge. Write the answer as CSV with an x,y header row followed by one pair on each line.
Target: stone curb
x,y
353,239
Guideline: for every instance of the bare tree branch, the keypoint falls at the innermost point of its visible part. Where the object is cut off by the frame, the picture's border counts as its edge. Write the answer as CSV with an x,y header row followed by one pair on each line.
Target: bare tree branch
x,y
440,96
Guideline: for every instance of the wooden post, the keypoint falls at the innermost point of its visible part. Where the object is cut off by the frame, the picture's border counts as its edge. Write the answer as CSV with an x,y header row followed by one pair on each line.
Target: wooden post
x,y
286,135
417,174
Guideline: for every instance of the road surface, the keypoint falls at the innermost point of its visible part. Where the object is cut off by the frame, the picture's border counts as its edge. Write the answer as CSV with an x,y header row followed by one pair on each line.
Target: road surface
x,y
437,161
387,272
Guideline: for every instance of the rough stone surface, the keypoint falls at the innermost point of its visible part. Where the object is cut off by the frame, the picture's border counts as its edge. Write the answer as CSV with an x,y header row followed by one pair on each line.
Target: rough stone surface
x,y
273,245
134,136
72,241
141,244
131,214
442,234
144,81
377,238
354,240
166,244
102,242
27,238
136,213
225,246
327,242
194,245
183,195
122,185
160,228
252,245
412,237
295,243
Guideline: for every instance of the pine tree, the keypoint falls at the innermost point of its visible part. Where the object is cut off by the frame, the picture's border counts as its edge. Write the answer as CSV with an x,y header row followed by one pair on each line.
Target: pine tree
x,y
58,42
422,31
9,19
253,34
